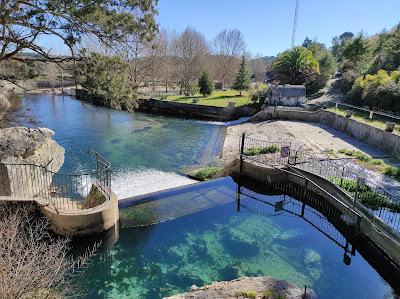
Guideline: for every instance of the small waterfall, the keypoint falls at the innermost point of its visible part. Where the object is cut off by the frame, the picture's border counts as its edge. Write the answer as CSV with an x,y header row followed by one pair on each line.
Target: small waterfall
x,y
134,182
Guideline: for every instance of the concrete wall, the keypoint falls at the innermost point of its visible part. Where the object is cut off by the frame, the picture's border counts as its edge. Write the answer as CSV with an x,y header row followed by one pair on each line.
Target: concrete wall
x,y
84,222
373,136
370,227
194,110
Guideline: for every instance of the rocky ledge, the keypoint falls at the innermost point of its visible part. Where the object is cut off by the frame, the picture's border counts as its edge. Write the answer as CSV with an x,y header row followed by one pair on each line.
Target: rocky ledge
x,y
247,287
21,145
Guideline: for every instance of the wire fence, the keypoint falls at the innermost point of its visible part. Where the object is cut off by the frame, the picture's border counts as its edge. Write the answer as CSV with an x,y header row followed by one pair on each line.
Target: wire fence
x,y
378,119
271,152
61,191
378,201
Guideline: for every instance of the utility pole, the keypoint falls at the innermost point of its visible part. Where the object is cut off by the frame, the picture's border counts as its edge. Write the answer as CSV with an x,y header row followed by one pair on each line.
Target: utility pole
x,y
296,16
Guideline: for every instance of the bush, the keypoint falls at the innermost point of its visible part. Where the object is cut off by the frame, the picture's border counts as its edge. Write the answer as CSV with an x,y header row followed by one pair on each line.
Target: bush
x,y
253,151
207,173
381,91
246,294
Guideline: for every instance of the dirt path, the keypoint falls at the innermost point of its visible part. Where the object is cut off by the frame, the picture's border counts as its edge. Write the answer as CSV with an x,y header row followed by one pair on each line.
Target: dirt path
x,y
315,139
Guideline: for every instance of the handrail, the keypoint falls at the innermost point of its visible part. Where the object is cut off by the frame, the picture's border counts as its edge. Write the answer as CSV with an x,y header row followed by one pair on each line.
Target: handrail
x,y
63,191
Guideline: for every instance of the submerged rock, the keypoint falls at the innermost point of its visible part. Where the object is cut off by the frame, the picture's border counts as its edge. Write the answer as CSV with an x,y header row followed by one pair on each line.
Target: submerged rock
x,y
260,287
21,145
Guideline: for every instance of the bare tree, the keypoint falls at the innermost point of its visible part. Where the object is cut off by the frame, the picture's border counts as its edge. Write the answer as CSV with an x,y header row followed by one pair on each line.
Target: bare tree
x,y
258,67
33,263
228,45
189,49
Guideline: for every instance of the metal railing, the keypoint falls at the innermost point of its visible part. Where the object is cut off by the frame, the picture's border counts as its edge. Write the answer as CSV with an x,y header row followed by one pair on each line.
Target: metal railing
x,y
272,152
378,201
61,191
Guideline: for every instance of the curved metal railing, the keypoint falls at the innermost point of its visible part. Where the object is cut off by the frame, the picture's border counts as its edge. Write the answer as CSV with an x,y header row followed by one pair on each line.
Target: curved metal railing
x,y
61,191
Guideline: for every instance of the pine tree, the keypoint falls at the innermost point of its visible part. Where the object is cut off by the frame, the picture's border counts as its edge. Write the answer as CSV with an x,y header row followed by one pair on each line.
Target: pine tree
x,y
242,81
205,84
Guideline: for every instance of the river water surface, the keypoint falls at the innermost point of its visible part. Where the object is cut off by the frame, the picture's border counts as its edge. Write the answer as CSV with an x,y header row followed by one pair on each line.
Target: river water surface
x,y
197,234
145,150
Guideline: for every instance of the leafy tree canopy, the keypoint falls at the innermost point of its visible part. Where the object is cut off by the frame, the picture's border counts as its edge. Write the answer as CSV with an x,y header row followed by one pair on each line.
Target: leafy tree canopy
x,y
22,23
296,66
106,82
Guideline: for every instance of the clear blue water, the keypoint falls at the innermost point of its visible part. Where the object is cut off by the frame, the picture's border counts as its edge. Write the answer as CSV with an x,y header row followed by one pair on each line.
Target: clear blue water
x,y
126,139
195,235
210,240
141,147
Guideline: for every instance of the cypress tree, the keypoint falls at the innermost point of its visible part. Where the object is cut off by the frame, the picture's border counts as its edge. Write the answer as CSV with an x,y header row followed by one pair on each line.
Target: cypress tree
x,y
205,84
242,81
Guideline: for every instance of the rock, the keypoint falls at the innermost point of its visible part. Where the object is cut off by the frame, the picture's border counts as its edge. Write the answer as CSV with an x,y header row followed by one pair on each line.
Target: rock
x,y
263,286
20,145
4,105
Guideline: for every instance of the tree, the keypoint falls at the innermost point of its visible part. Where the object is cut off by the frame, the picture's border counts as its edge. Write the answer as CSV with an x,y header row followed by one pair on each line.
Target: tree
x,y
296,66
23,23
189,50
206,86
355,53
242,81
258,66
34,263
106,81
228,46
326,62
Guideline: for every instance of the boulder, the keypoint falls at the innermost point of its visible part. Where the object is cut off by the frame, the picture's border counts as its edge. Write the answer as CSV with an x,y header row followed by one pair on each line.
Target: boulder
x,y
28,160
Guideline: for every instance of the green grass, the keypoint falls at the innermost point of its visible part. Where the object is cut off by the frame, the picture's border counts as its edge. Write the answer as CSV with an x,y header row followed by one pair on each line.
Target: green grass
x,y
363,117
391,171
270,294
246,294
207,173
217,98
253,151
366,195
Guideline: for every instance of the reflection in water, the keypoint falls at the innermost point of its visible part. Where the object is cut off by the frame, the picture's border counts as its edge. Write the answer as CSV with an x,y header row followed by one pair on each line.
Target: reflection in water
x,y
198,236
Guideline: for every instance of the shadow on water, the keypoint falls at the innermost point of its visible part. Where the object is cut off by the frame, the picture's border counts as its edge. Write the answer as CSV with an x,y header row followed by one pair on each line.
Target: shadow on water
x,y
210,232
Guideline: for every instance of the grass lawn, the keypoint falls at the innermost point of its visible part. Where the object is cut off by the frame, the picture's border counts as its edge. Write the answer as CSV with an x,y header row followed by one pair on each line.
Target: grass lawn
x,y
363,117
217,98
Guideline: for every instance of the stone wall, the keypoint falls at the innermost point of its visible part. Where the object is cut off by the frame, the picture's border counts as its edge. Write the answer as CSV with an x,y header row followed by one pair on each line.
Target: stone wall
x,y
27,146
376,137
195,111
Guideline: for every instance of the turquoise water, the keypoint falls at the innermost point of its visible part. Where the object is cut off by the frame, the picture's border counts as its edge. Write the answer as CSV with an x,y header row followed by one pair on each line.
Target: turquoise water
x,y
196,235
141,147
210,240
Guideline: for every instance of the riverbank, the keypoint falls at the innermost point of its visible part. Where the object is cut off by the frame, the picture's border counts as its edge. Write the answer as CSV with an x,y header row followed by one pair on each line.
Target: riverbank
x,y
247,287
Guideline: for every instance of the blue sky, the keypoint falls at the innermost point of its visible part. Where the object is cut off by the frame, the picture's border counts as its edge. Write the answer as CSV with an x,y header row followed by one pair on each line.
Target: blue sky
x,y
267,24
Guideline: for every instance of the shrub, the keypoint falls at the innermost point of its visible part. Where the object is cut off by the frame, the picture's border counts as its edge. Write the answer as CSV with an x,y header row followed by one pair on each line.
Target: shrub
x,y
207,173
366,195
253,151
381,90
246,294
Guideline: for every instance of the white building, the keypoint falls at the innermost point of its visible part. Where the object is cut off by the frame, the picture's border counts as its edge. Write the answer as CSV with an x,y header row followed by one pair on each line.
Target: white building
x,y
288,95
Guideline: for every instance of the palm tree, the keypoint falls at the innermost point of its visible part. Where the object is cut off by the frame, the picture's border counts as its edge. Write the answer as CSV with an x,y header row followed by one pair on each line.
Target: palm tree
x,y
296,66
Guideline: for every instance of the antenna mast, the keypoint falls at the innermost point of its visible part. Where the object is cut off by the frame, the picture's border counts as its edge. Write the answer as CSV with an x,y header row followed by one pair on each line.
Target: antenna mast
x,y
296,16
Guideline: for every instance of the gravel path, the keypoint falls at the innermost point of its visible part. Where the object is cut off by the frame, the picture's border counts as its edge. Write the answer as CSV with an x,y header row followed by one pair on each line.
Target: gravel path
x,y
314,139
